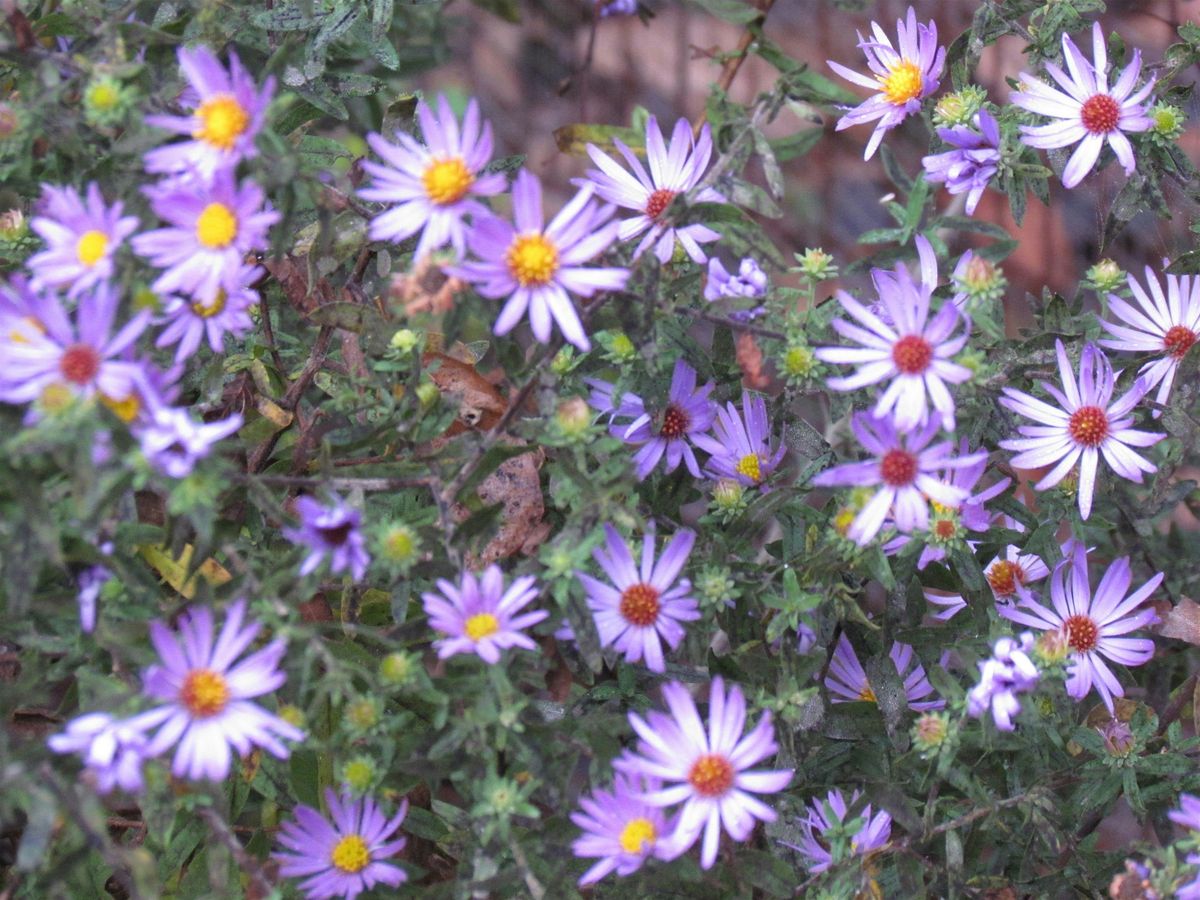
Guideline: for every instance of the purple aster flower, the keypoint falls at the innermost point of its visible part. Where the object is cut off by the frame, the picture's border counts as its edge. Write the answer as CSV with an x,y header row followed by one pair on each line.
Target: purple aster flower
x,y
1009,575
608,8
847,681
825,832
620,830
213,226
673,170
639,611
969,167
48,351
1188,814
225,311
226,113
113,750
952,604
173,442
341,856
740,443
750,281
89,583
19,316
904,470
208,694
537,266
1088,111
707,770
1164,325
1007,672
1093,625
433,186
902,79
81,239
903,345
687,414
806,638
480,616
1087,423
330,530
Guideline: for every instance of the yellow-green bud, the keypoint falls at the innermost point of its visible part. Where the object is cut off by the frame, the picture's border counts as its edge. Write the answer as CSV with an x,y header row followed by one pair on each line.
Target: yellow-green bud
x,y
397,669
563,360
1052,647
959,107
10,121
293,715
398,543
981,280
405,340
728,493
574,417
1168,122
1105,276
929,732
428,393
359,774
13,225
362,714
799,361
817,264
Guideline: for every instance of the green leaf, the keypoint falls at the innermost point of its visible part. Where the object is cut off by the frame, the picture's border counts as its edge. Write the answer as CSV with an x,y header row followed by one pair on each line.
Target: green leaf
x,y
735,11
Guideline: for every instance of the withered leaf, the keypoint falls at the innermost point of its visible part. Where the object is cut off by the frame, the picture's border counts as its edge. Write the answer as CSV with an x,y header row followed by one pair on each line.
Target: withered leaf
x,y
480,403
1181,621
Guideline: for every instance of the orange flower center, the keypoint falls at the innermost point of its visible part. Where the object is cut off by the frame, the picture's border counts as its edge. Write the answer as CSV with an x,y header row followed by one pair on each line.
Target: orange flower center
x,y
1088,426
1005,577
898,468
711,775
675,423
1100,114
79,364
912,354
1178,340
658,202
639,605
1082,633
205,693
532,259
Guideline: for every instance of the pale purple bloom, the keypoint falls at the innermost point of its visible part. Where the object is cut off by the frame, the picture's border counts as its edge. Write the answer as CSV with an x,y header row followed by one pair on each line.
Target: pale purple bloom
x,y
113,750
1088,111
341,856
620,830
688,412
226,112
902,78
330,531
213,226
1165,325
641,610
1009,575
673,170
750,280
1007,672
847,680
89,583
173,442
904,345
436,185
481,616
208,694
1188,814
81,236
537,267
617,8
707,770
19,316
1190,890
47,350
952,604
829,815
1086,424
969,167
806,638
904,469
226,311
740,443
1093,625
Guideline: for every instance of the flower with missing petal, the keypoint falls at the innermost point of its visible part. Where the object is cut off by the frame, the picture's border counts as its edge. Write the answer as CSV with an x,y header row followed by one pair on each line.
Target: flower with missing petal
x,y
901,77
173,442
827,817
740,443
331,531
1086,424
113,750
81,236
968,167
847,680
480,616
1089,112
620,830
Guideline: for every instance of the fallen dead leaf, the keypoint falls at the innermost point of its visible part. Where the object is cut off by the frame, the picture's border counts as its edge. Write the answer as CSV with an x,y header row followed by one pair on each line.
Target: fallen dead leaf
x,y
480,403
426,289
750,358
1181,621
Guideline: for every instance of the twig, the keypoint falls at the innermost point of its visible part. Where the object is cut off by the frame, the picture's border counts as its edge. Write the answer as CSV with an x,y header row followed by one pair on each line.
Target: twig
x,y
743,326
220,829
264,309
340,484
734,64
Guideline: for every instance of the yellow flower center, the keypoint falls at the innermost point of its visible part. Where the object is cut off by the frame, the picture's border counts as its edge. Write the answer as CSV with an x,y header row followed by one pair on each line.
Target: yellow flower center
x,y
481,625
91,246
350,854
868,694
447,180
125,409
843,520
902,83
637,835
749,467
532,259
217,226
204,693
102,96
220,121
212,307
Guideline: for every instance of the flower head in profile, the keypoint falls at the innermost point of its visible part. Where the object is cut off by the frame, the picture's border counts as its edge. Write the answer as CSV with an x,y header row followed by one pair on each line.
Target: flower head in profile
x,y
1010,575
330,530
226,112
750,280
740,444
608,8
970,165
81,236
901,344
639,611
1162,324
847,680
673,170
902,76
1093,625
668,433
189,320
434,186
90,582
706,769
828,838
344,854
1007,672
1088,112
904,470
208,694
1086,424
113,750
481,616
173,442
620,830
537,267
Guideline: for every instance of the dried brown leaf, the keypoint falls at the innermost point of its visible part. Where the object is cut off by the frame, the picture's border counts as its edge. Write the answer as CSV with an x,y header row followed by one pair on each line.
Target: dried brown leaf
x,y
1181,621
